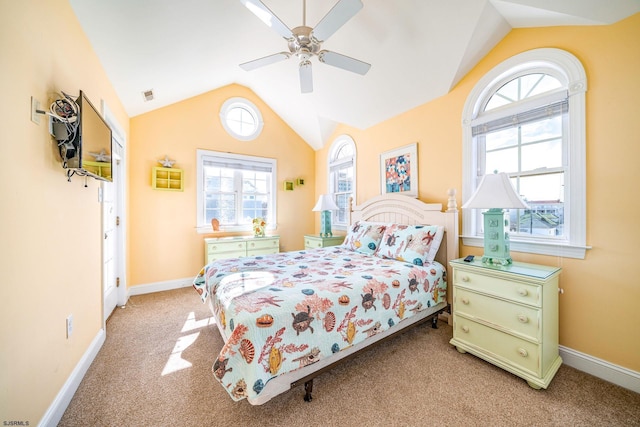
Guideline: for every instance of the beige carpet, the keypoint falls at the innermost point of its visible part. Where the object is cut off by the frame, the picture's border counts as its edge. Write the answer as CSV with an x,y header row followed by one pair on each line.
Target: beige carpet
x,y
436,385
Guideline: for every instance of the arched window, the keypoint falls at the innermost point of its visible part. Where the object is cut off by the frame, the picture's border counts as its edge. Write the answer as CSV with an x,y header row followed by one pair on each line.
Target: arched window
x,y
342,178
526,117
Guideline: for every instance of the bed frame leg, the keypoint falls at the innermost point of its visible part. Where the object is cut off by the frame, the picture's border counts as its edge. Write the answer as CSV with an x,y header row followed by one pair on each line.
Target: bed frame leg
x,y
434,322
308,388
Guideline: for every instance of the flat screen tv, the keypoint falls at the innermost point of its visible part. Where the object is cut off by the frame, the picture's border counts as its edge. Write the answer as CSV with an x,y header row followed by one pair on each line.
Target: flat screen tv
x,y
87,149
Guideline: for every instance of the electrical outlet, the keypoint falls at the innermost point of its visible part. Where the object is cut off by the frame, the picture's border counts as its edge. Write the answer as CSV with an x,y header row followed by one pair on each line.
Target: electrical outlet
x,y
69,326
35,116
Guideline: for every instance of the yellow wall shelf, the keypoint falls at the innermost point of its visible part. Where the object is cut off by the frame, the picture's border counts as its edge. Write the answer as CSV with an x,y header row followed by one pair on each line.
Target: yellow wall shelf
x,y
168,179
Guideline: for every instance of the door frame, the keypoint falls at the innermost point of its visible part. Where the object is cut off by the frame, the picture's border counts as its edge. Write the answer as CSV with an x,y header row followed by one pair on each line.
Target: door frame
x,y
120,235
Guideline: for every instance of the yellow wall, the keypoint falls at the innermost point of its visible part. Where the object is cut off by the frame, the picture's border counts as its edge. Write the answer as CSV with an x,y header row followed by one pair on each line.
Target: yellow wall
x,y
163,241
50,229
599,312
39,289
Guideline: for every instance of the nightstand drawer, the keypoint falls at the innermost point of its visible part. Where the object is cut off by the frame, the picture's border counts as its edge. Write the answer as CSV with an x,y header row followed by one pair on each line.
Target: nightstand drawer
x,y
503,347
508,289
315,242
262,243
519,319
312,243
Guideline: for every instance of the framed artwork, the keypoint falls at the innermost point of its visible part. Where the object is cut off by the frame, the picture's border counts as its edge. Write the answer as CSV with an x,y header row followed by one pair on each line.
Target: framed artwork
x,y
399,170
288,186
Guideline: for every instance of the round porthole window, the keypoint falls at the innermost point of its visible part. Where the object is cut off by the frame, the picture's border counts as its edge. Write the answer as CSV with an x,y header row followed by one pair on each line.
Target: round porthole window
x,y
241,119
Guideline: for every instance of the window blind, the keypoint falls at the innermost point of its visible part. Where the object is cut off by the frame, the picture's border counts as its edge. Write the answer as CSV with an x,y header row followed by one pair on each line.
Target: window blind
x,y
519,119
235,164
341,164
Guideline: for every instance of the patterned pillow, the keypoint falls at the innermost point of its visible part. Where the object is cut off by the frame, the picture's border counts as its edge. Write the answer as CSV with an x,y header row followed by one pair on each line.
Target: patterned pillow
x,y
416,244
364,237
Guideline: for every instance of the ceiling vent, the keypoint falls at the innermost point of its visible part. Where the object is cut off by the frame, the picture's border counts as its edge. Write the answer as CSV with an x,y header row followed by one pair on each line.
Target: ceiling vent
x,y
147,95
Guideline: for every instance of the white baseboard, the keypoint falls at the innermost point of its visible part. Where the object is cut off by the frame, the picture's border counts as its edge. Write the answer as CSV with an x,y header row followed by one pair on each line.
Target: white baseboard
x,y
56,410
601,368
160,286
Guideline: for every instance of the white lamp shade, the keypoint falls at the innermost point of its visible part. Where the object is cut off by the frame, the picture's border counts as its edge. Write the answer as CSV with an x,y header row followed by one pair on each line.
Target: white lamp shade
x,y
495,191
325,203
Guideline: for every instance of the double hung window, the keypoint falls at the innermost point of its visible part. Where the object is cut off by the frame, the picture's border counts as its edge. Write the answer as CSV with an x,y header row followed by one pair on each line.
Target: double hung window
x,y
234,189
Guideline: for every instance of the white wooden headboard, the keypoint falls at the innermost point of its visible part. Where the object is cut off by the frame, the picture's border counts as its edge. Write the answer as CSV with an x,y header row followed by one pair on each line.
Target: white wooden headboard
x,y
407,210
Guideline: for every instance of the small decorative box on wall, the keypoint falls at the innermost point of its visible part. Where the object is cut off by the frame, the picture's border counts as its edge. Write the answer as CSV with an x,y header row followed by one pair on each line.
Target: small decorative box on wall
x,y
168,179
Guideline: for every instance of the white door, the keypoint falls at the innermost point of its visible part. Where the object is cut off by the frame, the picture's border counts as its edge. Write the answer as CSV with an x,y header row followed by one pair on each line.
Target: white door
x,y
113,222
110,236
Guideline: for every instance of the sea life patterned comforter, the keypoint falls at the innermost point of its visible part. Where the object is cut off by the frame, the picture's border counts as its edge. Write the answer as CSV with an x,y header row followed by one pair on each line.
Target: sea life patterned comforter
x,y
281,312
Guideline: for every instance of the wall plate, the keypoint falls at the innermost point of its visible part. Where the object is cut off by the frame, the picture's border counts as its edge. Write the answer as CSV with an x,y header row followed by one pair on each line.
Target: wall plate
x,y
35,116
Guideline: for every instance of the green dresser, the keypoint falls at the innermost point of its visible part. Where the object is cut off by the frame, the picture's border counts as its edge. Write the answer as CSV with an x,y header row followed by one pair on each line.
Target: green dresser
x,y
236,247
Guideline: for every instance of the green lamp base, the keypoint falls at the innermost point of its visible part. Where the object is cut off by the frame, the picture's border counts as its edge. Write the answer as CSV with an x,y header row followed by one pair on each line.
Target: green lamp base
x,y
496,238
499,261
325,224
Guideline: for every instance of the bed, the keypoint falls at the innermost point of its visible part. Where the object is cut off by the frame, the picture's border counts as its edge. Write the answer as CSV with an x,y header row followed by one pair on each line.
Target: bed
x,y
287,317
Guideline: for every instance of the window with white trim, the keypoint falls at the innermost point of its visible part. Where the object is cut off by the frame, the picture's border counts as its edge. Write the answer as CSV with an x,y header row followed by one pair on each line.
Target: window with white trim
x,y
526,117
241,119
342,178
234,189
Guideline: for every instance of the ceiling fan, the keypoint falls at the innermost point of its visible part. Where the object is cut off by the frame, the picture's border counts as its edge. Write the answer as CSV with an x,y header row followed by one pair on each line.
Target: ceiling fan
x,y
305,42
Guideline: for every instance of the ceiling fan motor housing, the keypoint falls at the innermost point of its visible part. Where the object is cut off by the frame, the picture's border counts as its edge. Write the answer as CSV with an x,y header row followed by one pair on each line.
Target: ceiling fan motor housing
x,y
303,44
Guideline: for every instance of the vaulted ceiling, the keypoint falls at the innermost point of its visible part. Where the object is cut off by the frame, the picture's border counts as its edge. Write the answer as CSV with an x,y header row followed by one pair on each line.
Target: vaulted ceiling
x,y
418,50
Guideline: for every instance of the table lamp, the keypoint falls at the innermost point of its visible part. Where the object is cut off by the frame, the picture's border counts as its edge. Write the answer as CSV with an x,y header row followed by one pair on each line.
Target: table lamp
x,y
325,205
495,193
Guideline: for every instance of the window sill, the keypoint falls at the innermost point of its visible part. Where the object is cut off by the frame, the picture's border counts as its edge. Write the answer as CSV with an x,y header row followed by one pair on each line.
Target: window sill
x,y
206,229
541,248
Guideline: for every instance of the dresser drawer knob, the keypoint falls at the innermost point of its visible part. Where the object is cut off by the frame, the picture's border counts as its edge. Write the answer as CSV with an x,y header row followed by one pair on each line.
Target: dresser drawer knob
x,y
523,292
213,248
465,301
465,328
465,278
522,352
522,318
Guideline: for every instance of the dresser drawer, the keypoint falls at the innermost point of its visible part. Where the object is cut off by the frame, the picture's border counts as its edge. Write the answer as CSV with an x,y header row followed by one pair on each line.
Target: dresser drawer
x,y
508,289
521,320
491,343
261,244
231,246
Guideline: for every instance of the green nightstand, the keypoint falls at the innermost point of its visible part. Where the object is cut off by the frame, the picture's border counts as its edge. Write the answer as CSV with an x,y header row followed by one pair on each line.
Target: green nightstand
x,y
508,316
313,241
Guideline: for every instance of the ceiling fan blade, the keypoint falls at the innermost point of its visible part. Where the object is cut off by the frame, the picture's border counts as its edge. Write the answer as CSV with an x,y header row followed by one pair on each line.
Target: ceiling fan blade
x,y
306,77
265,15
336,18
344,62
267,60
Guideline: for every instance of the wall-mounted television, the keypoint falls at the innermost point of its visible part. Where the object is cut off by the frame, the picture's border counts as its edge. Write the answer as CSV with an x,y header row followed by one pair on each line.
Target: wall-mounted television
x,y
84,138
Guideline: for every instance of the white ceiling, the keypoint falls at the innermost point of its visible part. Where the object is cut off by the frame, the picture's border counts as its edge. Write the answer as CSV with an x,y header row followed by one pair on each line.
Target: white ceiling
x,y
418,49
